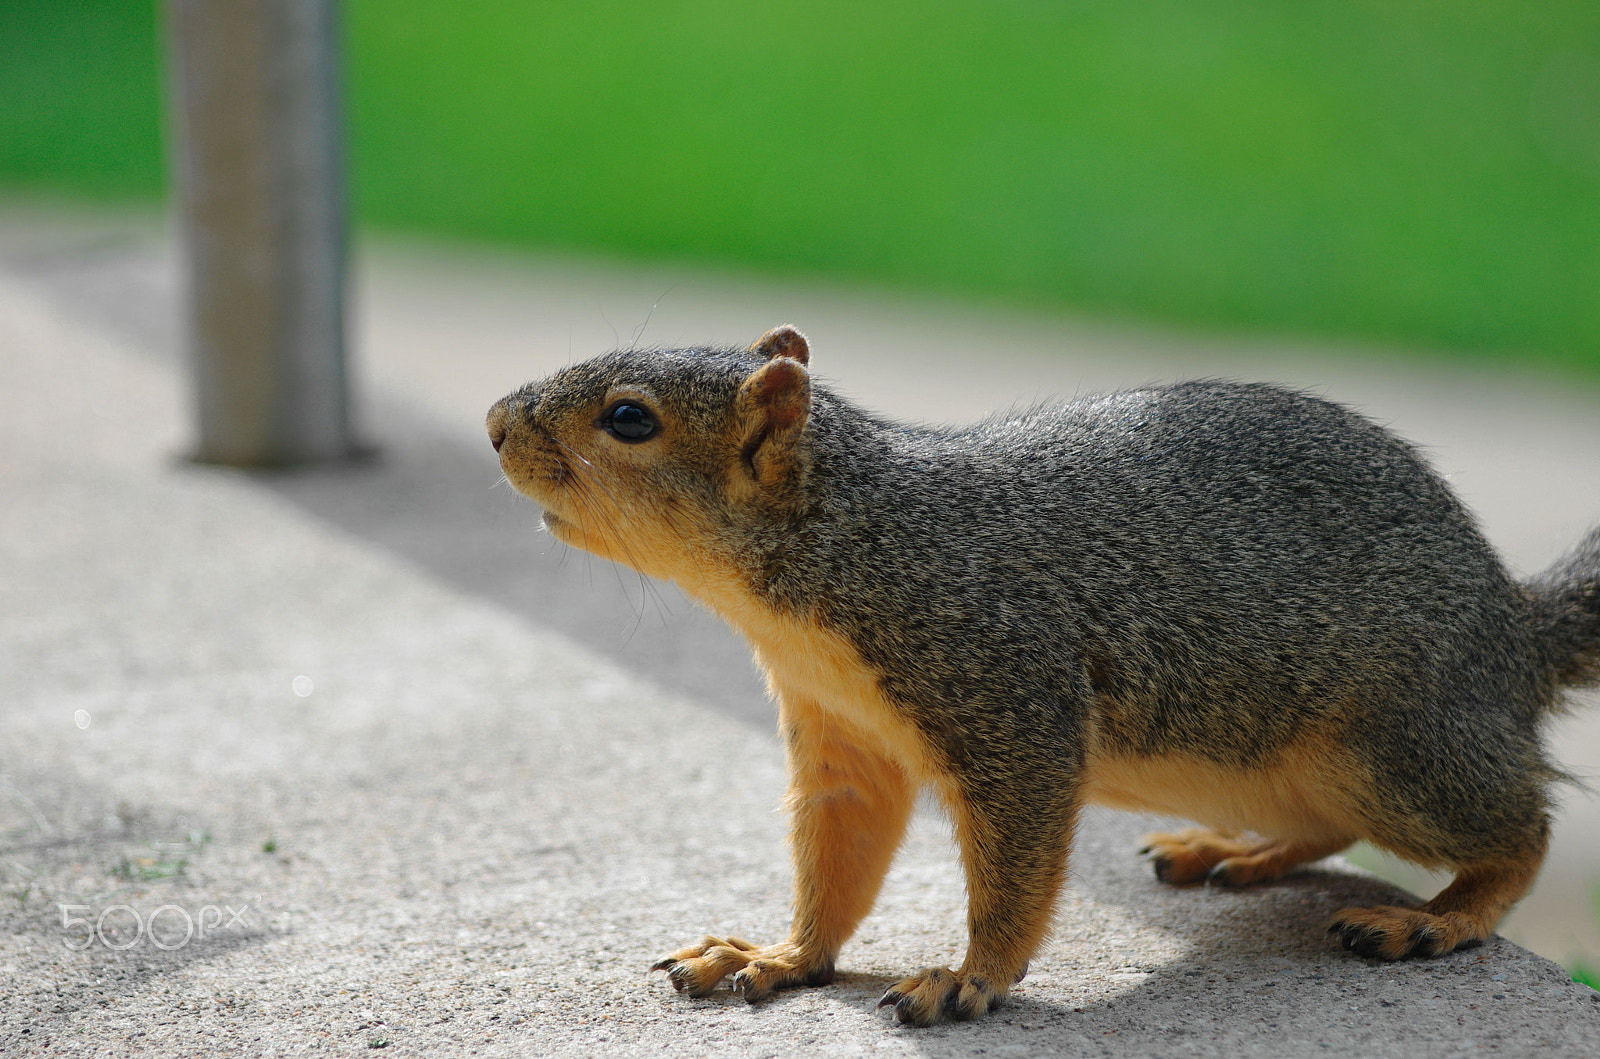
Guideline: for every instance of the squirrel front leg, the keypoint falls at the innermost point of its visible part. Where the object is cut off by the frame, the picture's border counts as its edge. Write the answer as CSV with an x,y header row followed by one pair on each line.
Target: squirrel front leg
x,y
848,808
1014,849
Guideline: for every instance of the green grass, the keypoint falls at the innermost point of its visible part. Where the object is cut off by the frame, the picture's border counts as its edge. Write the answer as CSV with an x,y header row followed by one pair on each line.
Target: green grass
x,y
1396,170
80,98
1585,971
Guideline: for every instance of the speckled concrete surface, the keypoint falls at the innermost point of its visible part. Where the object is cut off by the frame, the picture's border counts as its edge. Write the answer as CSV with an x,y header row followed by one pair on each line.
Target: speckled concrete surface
x,y
467,831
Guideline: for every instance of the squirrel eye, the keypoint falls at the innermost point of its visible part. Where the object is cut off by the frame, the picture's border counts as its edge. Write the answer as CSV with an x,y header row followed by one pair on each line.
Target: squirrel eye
x,y
629,422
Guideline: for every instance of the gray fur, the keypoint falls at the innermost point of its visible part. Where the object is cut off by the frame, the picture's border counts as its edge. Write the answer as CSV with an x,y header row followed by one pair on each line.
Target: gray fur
x,y
1209,568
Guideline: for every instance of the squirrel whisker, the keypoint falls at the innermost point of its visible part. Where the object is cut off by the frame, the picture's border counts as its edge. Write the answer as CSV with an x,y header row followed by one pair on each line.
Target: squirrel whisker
x,y
583,485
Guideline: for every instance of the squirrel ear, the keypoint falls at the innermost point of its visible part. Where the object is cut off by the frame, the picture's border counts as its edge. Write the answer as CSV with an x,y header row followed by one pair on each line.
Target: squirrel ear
x,y
774,404
783,341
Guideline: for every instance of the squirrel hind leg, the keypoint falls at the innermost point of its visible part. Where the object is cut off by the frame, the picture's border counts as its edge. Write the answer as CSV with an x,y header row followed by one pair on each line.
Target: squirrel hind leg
x,y
1202,855
1463,915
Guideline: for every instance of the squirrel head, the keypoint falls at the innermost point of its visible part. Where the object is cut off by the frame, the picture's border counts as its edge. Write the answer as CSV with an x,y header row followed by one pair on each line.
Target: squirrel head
x,y
654,458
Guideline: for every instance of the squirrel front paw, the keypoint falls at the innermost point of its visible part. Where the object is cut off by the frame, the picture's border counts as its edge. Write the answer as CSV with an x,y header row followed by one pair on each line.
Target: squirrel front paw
x,y
756,970
939,992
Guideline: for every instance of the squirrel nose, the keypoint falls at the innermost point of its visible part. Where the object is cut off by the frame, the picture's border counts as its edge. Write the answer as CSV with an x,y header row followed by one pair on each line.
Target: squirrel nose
x,y
497,424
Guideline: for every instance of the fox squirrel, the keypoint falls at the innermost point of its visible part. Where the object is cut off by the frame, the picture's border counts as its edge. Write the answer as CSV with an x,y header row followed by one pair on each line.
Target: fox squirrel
x,y
1232,603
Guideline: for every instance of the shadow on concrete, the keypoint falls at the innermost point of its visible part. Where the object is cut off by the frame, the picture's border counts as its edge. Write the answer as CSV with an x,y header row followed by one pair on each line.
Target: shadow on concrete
x,y
1263,992
429,499
443,507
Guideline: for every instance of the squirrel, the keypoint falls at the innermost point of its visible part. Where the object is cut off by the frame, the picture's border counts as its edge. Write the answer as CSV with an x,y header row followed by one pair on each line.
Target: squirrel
x,y
1233,603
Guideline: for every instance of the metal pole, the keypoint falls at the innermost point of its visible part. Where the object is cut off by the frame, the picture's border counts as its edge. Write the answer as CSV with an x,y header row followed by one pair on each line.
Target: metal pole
x,y
260,174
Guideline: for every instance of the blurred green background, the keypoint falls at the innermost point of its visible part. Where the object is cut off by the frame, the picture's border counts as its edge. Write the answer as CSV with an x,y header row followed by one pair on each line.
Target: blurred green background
x,y
1417,172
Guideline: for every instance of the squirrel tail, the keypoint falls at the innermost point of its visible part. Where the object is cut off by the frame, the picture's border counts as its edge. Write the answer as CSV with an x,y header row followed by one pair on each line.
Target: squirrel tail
x,y
1566,607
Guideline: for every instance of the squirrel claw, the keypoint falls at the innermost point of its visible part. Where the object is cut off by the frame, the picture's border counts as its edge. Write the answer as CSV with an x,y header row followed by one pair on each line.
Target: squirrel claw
x,y
1162,866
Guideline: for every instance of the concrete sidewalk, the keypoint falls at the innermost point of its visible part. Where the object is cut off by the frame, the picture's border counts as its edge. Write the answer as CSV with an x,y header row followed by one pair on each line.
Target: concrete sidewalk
x,y
426,784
